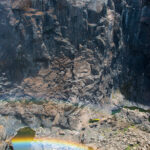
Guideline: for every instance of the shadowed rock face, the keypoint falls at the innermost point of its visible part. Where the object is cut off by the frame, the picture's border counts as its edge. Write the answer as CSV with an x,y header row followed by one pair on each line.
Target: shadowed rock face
x,y
77,50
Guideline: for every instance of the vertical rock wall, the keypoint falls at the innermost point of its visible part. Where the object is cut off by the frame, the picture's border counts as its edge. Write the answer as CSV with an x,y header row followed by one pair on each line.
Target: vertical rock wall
x,y
136,56
71,50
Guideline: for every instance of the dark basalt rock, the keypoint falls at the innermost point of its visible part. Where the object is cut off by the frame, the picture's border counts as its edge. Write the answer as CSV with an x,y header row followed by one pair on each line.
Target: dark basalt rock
x,y
64,49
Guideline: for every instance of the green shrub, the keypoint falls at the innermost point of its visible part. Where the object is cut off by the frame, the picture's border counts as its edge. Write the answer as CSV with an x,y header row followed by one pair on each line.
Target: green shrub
x,y
25,133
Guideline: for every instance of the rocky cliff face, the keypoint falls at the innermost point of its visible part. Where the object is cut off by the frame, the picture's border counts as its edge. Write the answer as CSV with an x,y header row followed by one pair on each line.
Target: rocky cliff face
x,y
71,50
81,51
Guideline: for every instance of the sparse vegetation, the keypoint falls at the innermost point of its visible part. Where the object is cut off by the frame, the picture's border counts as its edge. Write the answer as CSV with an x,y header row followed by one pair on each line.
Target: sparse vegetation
x,y
137,108
25,133
94,120
115,111
130,147
125,129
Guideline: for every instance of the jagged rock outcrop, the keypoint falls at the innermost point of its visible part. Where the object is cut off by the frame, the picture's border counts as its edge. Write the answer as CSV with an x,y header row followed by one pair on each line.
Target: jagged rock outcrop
x,y
74,50
57,120
64,49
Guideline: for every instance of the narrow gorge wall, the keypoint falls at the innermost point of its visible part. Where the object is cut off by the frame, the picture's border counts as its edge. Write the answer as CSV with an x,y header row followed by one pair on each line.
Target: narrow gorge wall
x,y
77,50
135,26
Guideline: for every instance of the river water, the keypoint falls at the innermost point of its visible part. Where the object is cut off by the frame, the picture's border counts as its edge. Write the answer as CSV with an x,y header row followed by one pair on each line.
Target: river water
x,y
45,146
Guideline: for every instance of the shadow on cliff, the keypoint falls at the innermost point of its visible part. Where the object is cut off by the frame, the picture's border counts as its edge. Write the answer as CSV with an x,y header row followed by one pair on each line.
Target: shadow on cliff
x,y
134,79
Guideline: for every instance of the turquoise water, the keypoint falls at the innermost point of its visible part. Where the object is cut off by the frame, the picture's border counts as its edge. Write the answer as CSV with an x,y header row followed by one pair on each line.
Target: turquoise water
x,y
43,146
22,146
